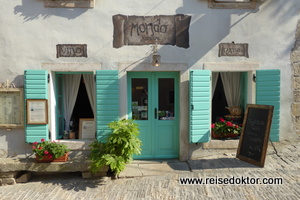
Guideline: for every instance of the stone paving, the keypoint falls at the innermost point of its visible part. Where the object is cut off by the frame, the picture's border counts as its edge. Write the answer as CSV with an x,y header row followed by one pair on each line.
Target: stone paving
x,y
163,181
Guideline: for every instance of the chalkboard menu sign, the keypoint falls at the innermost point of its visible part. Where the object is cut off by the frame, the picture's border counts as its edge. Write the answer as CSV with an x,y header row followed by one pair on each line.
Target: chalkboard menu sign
x,y
255,134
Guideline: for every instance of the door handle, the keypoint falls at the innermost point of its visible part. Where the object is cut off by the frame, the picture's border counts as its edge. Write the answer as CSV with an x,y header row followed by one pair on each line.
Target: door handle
x,y
155,113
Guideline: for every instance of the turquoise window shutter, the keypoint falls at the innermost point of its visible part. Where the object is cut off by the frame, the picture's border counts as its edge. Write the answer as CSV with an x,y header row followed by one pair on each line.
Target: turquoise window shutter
x,y
35,87
268,93
107,101
200,106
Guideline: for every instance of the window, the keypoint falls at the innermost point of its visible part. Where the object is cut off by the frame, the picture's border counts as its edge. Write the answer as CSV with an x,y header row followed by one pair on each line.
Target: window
x,y
232,4
70,3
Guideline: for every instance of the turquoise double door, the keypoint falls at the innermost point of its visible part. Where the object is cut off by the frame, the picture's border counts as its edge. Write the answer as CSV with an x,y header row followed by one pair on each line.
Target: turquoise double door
x,y
153,102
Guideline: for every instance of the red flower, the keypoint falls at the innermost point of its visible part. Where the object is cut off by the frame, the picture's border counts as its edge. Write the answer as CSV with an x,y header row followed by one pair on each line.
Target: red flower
x,y
35,143
40,148
222,120
43,140
213,126
236,126
33,147
50,156
46,152
228,123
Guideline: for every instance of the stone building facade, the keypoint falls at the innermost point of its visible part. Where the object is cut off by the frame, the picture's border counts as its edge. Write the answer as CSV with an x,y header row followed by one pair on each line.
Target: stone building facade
x,y
295,63
141,60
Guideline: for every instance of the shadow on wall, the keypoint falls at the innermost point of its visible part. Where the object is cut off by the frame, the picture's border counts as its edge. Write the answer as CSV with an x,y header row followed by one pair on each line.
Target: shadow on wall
x,y
216,28
29,13
208,31
15,141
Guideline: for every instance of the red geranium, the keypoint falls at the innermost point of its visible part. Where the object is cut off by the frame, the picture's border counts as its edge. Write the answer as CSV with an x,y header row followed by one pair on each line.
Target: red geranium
x,y
51,149
224,127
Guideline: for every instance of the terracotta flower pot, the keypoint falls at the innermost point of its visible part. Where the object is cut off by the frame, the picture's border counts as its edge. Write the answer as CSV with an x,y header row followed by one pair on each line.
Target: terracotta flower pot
x,y
228,135
46,159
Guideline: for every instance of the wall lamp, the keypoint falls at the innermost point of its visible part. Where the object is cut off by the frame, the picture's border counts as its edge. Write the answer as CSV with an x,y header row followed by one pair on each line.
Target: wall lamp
x,y
155,56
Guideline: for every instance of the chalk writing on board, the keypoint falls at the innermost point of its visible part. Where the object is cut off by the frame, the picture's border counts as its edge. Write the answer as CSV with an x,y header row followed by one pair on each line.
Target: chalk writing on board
x,y
256,130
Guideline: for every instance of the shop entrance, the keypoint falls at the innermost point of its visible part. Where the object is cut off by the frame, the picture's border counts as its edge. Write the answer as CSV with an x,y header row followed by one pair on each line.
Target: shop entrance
x,y
153,103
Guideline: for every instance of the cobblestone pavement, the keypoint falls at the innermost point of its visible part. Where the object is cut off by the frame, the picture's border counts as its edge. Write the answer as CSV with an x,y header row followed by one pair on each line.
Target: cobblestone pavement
x,y
283,164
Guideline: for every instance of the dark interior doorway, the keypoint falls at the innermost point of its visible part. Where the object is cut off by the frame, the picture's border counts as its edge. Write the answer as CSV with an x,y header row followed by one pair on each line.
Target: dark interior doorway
x,y
82,108
219,102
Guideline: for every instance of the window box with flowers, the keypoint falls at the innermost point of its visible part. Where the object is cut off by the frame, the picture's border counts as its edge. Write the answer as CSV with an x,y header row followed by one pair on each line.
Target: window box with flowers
x,y
50,151
225,129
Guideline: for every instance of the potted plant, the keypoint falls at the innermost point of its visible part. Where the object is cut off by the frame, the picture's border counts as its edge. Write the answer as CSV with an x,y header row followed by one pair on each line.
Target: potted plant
x,y
224,128
50,151
118,149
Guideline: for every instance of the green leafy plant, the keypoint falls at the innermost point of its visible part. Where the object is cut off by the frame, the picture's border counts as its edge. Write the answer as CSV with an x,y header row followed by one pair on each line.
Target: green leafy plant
x,y
224,127
119,148
50,149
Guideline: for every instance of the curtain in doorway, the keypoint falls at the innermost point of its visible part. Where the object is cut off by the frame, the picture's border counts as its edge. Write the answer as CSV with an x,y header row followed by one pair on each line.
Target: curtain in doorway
x,y
71,86
232,87
90,89
215,76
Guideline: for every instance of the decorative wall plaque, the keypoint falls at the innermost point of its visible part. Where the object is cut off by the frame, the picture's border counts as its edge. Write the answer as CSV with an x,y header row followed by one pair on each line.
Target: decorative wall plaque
x,y
11,108
232,4
70,3
232,49
71,50
145,30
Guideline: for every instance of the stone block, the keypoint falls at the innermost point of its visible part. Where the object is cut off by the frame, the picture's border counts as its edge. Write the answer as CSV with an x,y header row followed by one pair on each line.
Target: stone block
x,y
8,174
296,83
7,181
24,177
296,96
297,123
296,69
295,55
86,175
101,173
91,175
296,109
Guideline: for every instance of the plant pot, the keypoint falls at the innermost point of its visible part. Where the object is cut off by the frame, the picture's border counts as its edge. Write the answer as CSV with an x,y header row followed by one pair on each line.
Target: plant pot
x,y
46,159
222,135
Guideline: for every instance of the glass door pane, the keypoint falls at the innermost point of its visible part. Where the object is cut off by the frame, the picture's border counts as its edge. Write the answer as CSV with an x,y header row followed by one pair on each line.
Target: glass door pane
x,y
166,98
139,98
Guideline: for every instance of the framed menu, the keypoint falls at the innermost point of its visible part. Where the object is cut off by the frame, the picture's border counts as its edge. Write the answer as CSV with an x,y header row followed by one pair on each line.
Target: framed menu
x,y
11,108
87,128
37,111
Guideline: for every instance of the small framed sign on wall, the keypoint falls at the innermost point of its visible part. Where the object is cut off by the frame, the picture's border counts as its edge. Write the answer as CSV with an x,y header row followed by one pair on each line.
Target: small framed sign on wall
x,y
37,111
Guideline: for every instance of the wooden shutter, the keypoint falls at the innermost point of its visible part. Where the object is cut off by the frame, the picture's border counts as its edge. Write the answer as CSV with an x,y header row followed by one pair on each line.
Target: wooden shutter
x,y
200,106
268,93
35,87
107,101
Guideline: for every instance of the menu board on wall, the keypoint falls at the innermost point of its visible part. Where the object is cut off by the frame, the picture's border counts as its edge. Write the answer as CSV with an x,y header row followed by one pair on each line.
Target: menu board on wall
x,y
11,108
